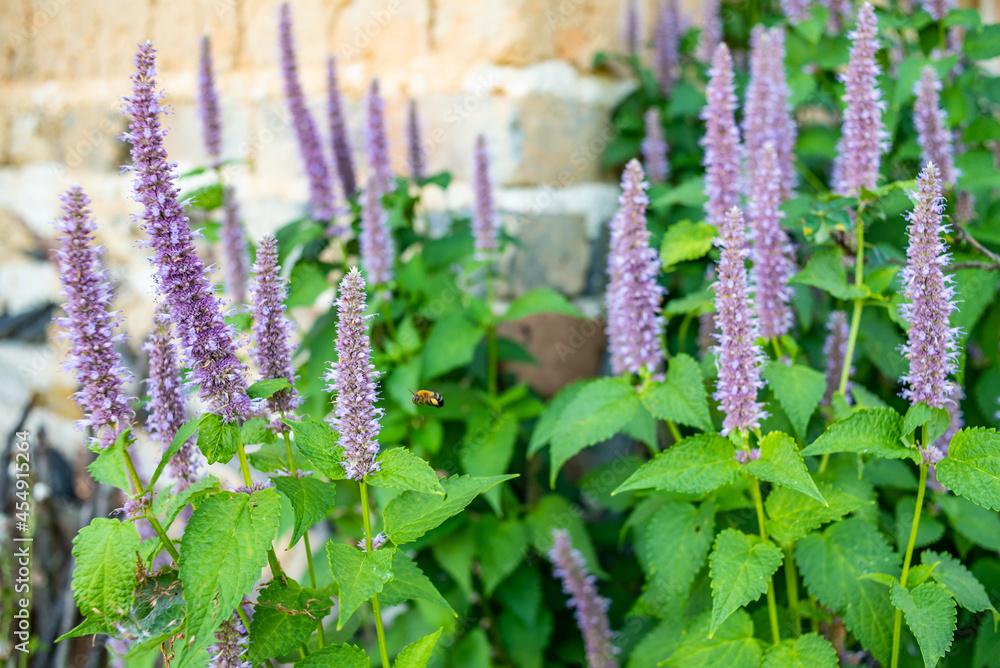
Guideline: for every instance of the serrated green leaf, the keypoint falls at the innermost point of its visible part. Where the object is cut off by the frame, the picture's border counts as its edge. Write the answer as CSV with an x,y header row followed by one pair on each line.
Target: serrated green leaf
x,y
318,443
546,426
740,567
401,469
487,449
686,241
874,431
732,645
185,432
977,524
599,411
285,616
271,457
257,430
450,345
540,300
677,541
798,389
959,581
359,575
409,582
972,467
791,514
810,650
418,653
825,270
109,467
336,656
412,514
781,463
696,465
929,611
175,503
222,553
681,397
104,576
268,387
157,612
217,440
312,499
502,548
87,627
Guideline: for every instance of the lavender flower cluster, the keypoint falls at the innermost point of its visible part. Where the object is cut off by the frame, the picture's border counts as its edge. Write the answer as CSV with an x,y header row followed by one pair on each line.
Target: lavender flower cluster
x,y
721,140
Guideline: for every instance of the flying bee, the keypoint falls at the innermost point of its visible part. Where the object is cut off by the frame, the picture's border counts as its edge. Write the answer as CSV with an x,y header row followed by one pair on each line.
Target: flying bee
x,y
427,397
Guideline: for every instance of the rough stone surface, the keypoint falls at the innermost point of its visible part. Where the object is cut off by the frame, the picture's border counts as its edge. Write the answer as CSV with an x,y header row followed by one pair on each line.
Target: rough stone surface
x,y
565,348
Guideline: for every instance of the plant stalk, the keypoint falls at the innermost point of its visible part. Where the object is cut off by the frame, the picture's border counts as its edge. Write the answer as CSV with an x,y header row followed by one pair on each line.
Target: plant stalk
x,y
376,611
772,606
150,515
792,585
272,558
898,619
491,333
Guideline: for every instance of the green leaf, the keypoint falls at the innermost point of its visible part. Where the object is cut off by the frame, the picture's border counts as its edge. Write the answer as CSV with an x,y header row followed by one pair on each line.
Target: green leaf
x,y
986,652
171,505
930,613
336,656
401,469
874,431
502,548
798,389
696,465
972,467
975,523
686,241
359,575
983,43
545,428
807,651
185,432
87,627
540,300
825,270
109,467
222,553
104,576
781,463
487,449
929,531
555,512
741,567
450,345
454,553
418,653
318,443
409,582
733,644
258,430
412,514
599,411
284,618
791,514
959,581
217,440
677,541
681,397
312,499
689,193
263,389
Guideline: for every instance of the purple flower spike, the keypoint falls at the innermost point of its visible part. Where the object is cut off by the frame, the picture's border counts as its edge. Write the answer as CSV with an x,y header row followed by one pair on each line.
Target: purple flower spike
x,y
320,191
666,46
353,377
485,222
377,249
938,9
773,255
631,36
591,608
166,402
182,281
654,148
931,122
797,11
635,327
211,126
711,31
271,329
835,350
767,113
931,344
863,139
378,142
840,12
230,648
721,140
90,325
413,142
338,133
234,247
740,359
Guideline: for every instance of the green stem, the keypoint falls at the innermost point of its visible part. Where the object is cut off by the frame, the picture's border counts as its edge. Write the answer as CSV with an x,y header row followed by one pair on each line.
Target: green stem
x,y
491,347
376,611
772,606
898,620
674,431
150,515
777,349
272,558
682,333
792,585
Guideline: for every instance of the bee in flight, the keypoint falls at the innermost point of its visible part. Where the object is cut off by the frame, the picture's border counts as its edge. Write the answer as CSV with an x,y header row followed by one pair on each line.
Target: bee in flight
x,y
427,397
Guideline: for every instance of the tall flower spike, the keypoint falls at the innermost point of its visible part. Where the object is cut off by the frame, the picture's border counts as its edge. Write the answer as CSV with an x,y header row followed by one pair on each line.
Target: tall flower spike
x,y
413,142
773,255
320,191
90,325
711,30
591,609
931,344
631,34
166,401
840,12
835,350
211,126
234,247
342,157
938,9
666,46
721,140
797,11
230,648
767,114
485,222
377,249
271,329
353,377
654,148
740,359
182,281
635,327
377,142
931,122
863,139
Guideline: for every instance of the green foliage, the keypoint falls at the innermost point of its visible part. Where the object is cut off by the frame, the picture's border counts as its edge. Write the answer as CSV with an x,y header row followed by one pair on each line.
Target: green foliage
x,y
972,467
408,582
696,465
401,469
104,576
359,575
741,567
807,651
732,644
336,656
781,463
959,581
109,467
263,389
681,397
540,300
312,499
798,389
217,440
318,443
686,241
450,345
929,611
791,514
284,617
875,431
418,653
677,541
